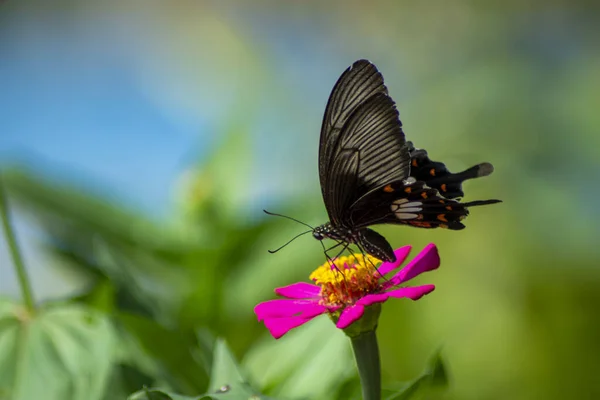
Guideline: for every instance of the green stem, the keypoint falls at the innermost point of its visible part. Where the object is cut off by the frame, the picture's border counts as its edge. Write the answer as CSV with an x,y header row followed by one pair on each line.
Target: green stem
x,y
366,353
11,241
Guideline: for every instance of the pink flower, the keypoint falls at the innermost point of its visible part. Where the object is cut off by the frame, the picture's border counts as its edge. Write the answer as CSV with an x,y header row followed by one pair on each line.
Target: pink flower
x,y
344,290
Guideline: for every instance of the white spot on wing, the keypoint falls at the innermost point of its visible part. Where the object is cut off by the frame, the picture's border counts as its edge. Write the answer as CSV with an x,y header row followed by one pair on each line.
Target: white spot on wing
x,y
412,204
404,209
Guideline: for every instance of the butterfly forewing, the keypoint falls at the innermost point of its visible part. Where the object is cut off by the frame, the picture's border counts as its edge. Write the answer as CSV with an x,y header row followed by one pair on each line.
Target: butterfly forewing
x,y
357,84
342,184
372,130
376,132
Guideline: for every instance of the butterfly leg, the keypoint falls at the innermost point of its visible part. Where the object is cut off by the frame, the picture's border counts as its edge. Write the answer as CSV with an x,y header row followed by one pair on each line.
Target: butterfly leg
x,y
346,245
338,244
365,257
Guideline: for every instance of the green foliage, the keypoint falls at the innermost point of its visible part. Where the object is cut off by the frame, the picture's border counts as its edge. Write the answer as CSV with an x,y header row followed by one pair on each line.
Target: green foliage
x,y
160,287
179,365
300,373
154,394
61,351
434,377
226,383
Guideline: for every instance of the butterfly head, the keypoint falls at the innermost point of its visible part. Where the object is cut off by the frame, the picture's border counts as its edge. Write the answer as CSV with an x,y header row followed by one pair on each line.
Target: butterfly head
x,y
320,232
328,231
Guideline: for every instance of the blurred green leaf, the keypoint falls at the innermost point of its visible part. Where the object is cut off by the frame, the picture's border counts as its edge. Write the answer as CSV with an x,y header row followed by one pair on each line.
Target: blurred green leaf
x,y
309,350
225,371
175,351
227,382
100,241
204,352
349,390
60,352
153,394
211,190
435,376
100,297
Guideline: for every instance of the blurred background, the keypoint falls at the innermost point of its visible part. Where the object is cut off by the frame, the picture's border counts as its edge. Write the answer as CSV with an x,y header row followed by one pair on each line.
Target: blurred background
x,y
140,141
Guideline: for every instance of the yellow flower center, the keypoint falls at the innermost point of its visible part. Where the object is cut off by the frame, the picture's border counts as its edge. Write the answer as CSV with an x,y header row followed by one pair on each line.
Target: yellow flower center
x,y
346,279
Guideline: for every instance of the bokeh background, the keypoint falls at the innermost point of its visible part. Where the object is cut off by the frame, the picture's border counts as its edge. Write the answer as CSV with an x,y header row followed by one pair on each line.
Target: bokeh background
x,y
140,141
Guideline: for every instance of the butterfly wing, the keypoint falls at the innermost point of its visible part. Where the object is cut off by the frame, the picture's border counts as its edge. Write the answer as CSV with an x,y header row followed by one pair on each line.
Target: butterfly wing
x,y
358,83
411,203
437,176
342,183
371,135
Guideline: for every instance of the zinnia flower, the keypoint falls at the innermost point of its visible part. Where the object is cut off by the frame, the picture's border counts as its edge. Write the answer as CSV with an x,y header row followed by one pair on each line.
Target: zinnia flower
x,y
345,288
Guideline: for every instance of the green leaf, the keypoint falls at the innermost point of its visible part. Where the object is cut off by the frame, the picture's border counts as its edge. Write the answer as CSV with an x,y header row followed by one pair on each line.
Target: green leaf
x,y
153,394
437,370
434,376
227,382
173,348
60,352
99,240
350,390
293,365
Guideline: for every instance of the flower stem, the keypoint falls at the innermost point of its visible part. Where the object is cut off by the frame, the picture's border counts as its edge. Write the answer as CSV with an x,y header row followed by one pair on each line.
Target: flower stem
x,y
366,353
11,241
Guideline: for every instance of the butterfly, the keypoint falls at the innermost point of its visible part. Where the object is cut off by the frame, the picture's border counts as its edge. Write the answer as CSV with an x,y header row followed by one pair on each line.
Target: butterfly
x,y
371,175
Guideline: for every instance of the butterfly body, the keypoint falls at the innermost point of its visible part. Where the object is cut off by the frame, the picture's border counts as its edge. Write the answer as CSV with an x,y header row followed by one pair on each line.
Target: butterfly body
x,y
369,240
371,175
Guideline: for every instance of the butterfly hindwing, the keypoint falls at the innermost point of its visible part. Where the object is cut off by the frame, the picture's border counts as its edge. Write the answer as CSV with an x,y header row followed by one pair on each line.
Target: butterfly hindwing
x,y
437,176
409,203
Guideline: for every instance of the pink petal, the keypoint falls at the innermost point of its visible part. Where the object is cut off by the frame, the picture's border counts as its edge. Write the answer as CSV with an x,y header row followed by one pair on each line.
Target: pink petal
x,y
401,255
428,259
281,308
373,298
349,315
300,290
413,293
280,326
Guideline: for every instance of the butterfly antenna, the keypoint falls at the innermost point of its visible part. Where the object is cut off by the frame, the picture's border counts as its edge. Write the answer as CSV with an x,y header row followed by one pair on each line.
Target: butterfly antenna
x,y
289,241
290,218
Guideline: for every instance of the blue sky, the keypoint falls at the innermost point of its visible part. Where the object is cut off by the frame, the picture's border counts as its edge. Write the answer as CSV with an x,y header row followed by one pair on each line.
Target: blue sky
x,y
75,116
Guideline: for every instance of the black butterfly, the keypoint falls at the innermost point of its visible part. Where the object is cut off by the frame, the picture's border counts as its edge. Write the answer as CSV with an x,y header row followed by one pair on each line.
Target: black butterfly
x,y
370,175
